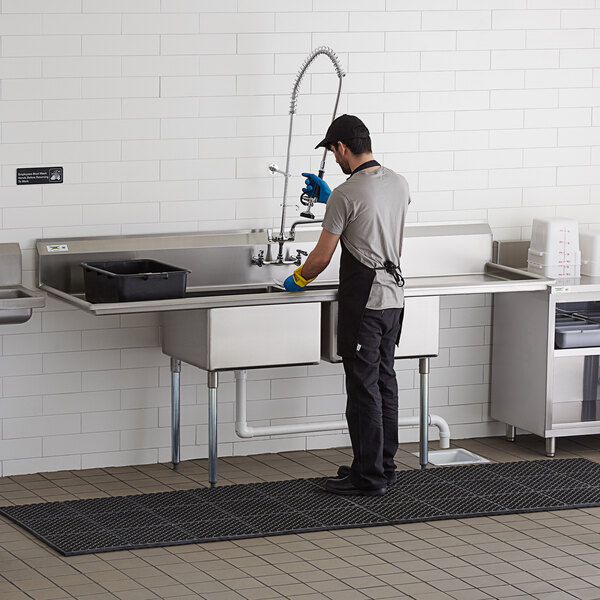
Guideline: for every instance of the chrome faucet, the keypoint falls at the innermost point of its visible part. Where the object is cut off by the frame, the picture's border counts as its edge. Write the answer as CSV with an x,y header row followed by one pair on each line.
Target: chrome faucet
x,y
304,198
259,259
292,233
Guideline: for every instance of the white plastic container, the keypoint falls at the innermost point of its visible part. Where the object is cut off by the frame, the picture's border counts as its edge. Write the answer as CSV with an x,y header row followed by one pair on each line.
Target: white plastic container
x,y
564,270
590,268
547,258
589,242
566,257
556,238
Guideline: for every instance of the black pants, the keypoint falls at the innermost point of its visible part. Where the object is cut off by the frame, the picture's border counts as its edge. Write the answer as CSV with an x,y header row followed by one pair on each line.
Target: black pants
x,y
372,406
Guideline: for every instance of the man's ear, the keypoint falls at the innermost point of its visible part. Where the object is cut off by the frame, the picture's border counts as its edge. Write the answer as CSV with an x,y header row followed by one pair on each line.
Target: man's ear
x,y
342,148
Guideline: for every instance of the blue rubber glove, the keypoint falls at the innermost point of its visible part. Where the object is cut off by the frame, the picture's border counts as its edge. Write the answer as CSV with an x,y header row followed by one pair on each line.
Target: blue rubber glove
x,y
295,282
316,188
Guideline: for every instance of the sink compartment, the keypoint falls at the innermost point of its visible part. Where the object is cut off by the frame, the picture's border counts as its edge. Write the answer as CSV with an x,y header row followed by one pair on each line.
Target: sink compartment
x,y
243,337
227,292
245,290
420,329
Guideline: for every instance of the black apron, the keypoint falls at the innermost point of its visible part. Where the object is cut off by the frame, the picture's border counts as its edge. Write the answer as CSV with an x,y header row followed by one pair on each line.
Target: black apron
x,y
356,280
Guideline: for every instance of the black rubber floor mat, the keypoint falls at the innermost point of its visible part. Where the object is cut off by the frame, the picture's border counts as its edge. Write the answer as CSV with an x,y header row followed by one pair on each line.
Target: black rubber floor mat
x,y
296,506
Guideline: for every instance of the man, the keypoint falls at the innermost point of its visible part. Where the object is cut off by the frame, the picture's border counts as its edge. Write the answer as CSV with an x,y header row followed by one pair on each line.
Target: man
x,y
367,213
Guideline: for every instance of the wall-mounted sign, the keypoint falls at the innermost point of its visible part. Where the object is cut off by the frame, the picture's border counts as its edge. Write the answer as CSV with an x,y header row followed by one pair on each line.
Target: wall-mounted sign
x,y
58,248
32,175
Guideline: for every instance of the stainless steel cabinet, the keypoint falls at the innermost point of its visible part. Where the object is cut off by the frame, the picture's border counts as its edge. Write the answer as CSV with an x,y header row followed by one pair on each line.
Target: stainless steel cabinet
x,y
549,391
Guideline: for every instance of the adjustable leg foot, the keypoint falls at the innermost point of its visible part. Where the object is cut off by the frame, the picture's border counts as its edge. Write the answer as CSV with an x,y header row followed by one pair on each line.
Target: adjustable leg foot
x,y
511,433
550,447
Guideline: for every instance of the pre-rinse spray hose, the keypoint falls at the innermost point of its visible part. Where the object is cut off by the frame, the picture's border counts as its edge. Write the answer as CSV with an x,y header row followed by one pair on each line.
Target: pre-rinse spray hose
x,y
304,66
293,104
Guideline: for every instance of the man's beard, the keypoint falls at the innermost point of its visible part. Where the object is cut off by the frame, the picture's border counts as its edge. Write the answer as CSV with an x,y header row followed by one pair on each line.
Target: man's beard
x,y
345,167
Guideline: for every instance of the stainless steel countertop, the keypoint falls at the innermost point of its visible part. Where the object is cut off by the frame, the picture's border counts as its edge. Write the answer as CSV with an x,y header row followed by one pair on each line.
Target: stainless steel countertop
x,y
437,260
584,284
513,253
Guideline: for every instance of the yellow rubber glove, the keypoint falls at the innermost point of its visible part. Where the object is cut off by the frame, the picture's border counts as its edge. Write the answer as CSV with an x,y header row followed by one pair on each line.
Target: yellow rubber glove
x,y
295,282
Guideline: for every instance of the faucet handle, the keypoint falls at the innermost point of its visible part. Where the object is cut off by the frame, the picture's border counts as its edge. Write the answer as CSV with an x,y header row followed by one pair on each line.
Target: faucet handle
x,y
260,259
299,255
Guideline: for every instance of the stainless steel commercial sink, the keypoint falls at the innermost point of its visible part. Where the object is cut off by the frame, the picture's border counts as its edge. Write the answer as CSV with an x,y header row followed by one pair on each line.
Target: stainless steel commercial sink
x,y
234,317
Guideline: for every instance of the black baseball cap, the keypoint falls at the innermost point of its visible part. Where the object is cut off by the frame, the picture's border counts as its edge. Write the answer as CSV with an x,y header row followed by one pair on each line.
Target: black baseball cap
x,y
345,127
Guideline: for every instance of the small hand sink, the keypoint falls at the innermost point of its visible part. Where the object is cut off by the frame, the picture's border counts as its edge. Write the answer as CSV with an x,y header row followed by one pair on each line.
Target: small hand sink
x,y
6,294
16,303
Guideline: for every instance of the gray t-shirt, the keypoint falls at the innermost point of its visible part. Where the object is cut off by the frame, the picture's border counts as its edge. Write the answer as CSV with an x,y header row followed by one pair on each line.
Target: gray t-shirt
x,y
368,211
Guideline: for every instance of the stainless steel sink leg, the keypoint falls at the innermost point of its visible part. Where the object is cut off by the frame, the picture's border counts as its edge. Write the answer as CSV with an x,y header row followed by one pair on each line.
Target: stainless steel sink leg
x,y
550,446
175,411
213,382
424,417
511,432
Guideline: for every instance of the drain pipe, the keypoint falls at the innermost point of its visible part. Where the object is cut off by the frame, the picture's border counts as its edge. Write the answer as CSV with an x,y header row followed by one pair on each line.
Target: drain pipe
x,y
444,430
243,430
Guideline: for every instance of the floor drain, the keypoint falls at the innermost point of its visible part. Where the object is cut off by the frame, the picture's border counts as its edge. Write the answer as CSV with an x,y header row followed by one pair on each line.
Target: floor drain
x,y
454,456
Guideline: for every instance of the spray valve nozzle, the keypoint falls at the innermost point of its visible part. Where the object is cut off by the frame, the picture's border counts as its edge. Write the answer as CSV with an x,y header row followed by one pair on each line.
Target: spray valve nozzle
x,y
309,202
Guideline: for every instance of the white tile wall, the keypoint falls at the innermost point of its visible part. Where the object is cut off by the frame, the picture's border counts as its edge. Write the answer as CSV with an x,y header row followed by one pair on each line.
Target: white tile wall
x,y
165,114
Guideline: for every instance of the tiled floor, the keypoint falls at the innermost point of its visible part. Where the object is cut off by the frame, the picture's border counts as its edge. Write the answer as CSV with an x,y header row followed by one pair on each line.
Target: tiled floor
x,y
548,555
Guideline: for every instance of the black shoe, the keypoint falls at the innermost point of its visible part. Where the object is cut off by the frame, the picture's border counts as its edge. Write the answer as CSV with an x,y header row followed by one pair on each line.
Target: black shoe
x,y
344,487
344,471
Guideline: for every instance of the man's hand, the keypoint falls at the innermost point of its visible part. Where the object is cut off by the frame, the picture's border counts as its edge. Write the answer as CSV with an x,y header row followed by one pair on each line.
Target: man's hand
x,y
316,188
295,282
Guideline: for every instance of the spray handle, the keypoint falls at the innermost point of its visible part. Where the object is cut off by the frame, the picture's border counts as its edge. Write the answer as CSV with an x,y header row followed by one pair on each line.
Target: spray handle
x,y
317,191
314,196
309,198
